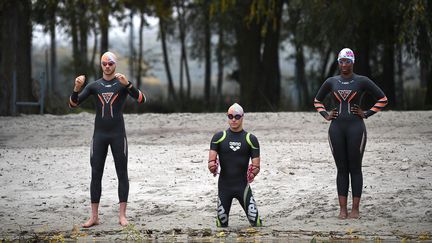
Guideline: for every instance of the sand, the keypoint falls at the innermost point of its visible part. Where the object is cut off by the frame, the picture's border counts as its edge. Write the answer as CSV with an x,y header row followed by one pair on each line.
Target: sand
x,y
45,178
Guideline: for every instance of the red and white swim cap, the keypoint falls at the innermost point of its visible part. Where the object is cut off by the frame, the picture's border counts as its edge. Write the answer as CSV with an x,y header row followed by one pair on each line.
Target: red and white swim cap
x,y
346,53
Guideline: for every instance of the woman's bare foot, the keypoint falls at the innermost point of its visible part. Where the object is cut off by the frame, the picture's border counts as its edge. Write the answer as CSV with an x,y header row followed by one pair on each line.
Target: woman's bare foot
x,y
123,221
355,214
92,221
343,213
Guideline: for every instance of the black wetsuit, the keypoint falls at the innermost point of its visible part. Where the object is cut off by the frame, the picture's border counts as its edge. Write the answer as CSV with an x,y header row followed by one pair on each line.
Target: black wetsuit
x,y
347,133
109,130
235,149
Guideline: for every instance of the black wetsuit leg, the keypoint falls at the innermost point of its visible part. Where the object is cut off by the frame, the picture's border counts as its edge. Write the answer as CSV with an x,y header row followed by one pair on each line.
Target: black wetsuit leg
x,y
338,146
356,142
347,141
99,150
225,197
249,206
119,150
244,195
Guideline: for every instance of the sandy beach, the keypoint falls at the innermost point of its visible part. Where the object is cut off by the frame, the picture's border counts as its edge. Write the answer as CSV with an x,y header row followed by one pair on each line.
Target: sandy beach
x,y
45,178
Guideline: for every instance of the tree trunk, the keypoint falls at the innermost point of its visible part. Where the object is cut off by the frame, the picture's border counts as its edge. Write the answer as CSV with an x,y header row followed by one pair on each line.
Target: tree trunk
x,y
181,77
15,53
74,34
270,60
93,56
300,74
180,11
399,85
23,57
248,54
388,62
132,54
304,99
53,52
428,99
188,78
220,67
83,34
324,64
362,56
140,51
104,25
423,43
207,51
171,92
184,57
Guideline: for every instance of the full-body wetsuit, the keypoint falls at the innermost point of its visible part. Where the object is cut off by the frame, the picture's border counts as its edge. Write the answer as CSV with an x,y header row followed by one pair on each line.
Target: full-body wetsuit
x,y
235,149
347,133
109,130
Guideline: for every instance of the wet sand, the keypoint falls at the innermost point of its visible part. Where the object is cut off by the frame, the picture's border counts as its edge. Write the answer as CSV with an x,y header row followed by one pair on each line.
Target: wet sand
x,y
45,178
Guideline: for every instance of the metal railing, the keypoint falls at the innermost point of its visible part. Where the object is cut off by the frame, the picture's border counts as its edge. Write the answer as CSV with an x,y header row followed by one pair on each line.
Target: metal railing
x,y
40,102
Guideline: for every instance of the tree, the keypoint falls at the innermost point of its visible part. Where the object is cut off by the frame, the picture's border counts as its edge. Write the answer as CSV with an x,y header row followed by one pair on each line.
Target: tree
x,y
257,28
44,13
184,64
163,10
15,50
416,33
105,7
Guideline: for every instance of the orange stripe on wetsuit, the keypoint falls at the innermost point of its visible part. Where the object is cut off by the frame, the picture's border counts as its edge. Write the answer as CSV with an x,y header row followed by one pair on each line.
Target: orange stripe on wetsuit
x,y
381,103
103,104
319,106
111,103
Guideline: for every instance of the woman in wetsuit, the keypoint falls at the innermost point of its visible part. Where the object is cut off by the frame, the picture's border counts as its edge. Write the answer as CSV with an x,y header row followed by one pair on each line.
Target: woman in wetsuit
x,y
347,132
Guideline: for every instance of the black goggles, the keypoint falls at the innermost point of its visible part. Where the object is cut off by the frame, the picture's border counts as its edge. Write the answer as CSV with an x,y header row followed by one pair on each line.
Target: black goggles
x,y
237,117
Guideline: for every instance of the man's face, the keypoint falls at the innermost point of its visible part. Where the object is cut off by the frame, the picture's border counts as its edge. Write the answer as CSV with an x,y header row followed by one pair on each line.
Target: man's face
x,y
346,66
108,67
235,120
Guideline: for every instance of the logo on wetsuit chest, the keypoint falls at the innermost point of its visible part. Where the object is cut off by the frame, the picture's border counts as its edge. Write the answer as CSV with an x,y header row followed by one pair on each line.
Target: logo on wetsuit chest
x,y
344,93
107,96
235,146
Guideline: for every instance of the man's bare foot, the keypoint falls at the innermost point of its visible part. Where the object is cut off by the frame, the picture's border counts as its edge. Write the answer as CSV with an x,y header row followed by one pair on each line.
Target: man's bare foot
x,y
92,221
355,214
123,221
343,214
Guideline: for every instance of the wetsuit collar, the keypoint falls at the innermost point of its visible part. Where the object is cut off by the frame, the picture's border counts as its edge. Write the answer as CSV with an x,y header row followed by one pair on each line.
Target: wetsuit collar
x,y
350,77
111,80
235,131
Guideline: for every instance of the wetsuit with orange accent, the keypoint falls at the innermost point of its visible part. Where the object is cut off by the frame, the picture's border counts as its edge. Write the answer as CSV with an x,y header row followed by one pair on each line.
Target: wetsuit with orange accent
x,y
109,130
235,149
347,133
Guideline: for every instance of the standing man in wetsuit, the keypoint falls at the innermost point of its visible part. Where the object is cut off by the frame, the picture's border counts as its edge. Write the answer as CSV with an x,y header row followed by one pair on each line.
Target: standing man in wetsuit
x,y
235,147
347,132
110,93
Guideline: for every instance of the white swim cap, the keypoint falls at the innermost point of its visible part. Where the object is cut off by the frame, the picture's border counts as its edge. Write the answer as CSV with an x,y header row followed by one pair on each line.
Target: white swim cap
x,y
346,53
109,57
235,109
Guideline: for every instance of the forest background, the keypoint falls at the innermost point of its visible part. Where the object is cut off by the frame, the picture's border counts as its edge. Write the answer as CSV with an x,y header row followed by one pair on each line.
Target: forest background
x,y
200,56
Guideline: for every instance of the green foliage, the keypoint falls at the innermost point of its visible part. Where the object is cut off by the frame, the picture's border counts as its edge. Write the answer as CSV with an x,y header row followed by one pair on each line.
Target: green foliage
x,y
131,233
319,27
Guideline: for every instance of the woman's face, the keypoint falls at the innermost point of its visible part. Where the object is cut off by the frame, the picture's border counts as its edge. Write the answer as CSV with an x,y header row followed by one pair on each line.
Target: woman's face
x,y
346,66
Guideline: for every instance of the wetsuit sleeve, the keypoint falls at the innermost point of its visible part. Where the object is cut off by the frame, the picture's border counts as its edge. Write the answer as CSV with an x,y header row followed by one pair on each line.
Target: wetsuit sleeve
x,y
322,93
216,140
136,93
77,98
254,144
382,101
